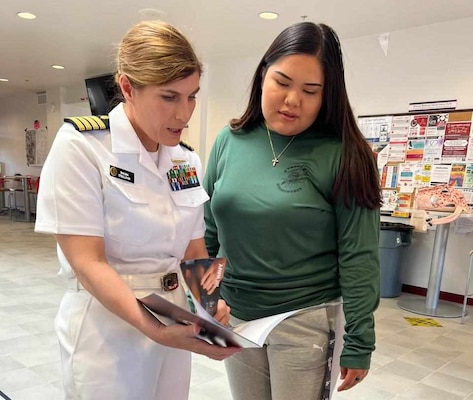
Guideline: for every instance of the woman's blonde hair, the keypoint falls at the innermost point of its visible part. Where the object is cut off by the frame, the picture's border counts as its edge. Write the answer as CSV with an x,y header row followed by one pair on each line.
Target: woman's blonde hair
x,y
155,53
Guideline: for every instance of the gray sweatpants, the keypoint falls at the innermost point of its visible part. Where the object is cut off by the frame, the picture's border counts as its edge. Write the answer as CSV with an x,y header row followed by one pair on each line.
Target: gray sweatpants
x,y
292,364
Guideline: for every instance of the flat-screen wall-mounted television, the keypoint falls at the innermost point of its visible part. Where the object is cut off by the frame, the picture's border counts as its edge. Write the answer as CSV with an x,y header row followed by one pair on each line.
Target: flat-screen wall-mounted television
x,y
103,94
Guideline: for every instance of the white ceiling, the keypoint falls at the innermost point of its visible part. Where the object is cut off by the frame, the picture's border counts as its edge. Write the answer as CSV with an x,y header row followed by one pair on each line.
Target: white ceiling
x,y
81,34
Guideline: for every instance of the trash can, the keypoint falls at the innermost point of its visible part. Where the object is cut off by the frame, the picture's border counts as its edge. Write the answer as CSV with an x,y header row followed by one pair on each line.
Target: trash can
x,y
393,238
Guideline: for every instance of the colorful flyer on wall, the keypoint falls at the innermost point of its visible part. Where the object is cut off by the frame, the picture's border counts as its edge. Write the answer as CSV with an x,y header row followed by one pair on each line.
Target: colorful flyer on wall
x,y
397,152
468,181
415,150
389,201
417,125
436,125
404,203
457,135
375,129
457,175
433,150
389,176
423,175
406,177
400,128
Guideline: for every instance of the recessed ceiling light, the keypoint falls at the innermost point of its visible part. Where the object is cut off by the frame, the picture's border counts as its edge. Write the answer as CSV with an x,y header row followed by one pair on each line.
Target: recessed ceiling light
x,y
152,13
25,15
268,15
57,66
3,80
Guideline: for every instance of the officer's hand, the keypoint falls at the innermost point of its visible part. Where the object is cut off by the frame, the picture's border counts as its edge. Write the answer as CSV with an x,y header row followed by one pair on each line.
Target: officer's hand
x,y
184,337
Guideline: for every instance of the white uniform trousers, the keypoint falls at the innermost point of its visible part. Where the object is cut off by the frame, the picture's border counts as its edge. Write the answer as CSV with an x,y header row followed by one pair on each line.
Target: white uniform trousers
x,y
103,357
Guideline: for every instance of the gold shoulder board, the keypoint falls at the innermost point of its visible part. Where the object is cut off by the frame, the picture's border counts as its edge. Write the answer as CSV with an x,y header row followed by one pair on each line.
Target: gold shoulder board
x,y
89,123
186,145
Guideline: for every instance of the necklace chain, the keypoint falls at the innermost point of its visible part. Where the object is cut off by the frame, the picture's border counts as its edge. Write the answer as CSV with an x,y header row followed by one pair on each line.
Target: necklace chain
x,y
275,160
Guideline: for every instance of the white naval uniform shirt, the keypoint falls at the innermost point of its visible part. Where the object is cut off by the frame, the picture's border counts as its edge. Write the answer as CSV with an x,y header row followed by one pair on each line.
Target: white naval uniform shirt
x,y
146,225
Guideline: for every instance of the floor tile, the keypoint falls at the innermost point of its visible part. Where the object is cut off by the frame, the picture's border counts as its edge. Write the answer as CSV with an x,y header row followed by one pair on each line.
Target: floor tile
x,y
410,363
449,383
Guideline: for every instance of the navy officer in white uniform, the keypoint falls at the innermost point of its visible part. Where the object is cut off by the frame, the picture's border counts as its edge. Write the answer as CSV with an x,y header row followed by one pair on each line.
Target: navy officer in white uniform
x,y
123,198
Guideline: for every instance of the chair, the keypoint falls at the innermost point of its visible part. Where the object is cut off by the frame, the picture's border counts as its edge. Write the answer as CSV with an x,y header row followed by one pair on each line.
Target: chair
x,y
3,190
467,294
12,189
33,187
12,202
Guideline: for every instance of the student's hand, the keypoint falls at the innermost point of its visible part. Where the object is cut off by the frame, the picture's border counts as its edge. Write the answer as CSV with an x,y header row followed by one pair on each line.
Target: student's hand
x,y
212,277
223,312
184,337
351,377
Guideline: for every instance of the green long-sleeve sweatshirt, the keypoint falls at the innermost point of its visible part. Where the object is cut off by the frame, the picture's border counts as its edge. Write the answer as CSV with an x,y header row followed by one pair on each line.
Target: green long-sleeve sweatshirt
x,y
287,245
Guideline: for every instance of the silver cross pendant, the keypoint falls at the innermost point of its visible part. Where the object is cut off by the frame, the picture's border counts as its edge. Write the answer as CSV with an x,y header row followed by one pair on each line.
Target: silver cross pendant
x,y
275,161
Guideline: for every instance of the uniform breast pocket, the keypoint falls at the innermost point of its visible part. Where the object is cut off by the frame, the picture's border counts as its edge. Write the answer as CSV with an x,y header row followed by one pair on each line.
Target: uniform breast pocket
x,y
193,197
127,213
190,213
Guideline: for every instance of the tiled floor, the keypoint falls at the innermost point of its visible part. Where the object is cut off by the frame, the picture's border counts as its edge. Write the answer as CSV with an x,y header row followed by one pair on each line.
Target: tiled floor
x,y
411,363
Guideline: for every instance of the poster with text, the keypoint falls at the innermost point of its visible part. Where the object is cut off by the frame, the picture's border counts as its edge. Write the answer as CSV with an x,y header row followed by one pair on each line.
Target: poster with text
x,y
436,125
375,129
423,175
440,173
468,180
417,125
457,175
415,150
400,128
389,176
433,150
406,177
457,135
36,143
397,152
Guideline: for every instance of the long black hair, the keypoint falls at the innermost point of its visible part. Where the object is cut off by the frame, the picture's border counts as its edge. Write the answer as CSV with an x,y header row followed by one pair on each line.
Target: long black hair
x,y
358,175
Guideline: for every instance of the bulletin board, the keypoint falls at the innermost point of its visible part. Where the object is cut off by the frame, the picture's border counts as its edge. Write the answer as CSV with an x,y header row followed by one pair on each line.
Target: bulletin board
x,y
36,143
416,150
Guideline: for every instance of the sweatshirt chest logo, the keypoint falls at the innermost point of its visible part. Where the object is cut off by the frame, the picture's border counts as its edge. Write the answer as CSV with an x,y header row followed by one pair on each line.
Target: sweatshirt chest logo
x,y
293,177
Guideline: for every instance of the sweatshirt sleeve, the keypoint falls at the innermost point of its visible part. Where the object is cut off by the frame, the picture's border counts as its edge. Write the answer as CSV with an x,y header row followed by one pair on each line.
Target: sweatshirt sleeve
x,y
359,274
211,234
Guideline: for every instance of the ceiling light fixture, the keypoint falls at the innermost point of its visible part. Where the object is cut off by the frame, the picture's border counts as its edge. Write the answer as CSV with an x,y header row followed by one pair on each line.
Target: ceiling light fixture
x,y
268,15
3,80
25,15
57,66
152,13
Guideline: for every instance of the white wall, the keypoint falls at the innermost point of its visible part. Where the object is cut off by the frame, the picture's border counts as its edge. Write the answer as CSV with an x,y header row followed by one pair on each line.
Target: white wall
x,y
423,64
431,62
229,87
18,113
